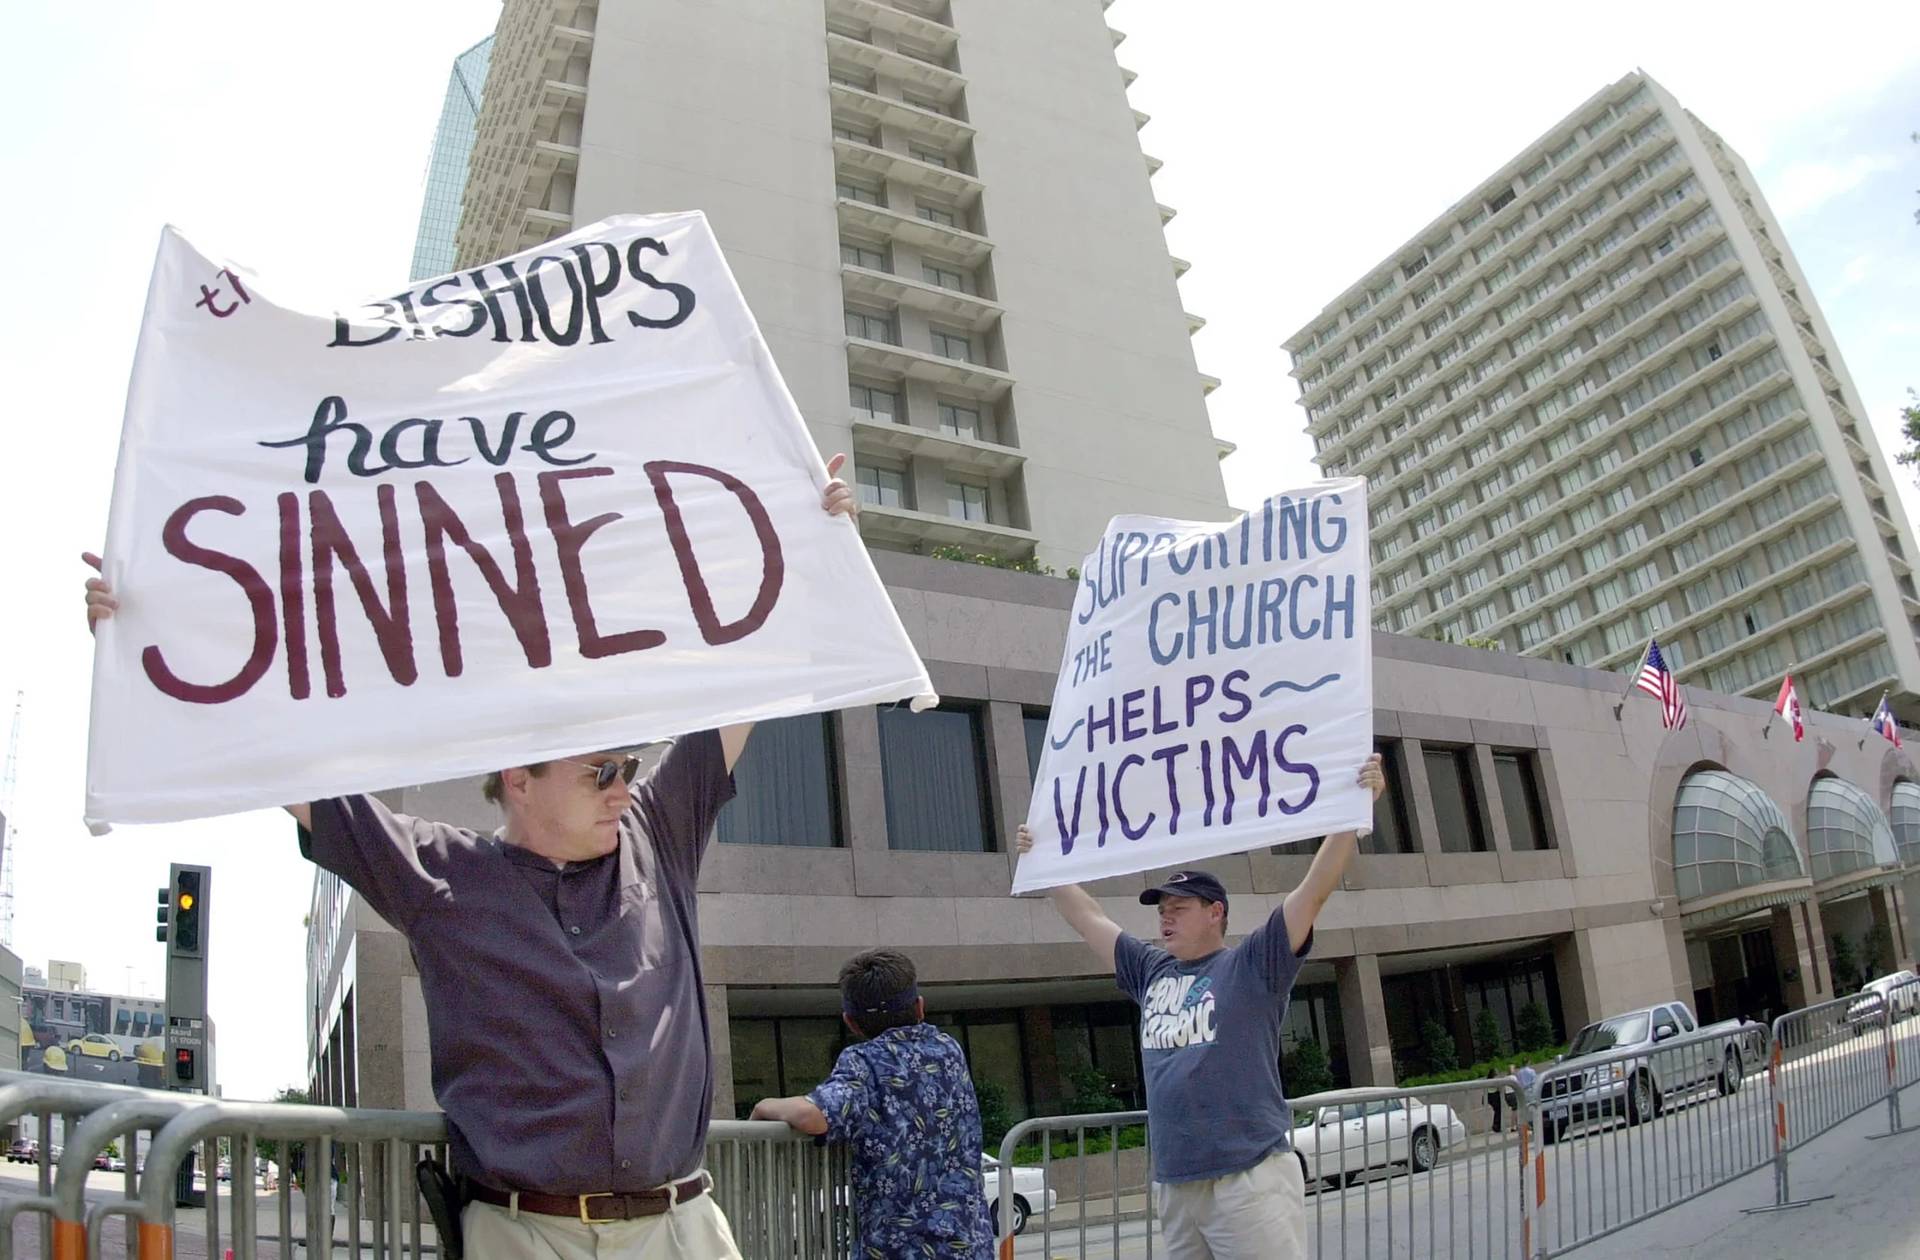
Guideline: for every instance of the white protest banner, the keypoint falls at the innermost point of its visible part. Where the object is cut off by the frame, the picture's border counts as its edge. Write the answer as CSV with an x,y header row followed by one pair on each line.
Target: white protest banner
x,y
1216,693
554,504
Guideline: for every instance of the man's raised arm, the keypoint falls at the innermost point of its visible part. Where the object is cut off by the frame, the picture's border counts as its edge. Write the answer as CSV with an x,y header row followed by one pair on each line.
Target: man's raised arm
x,y
1077,906
1303,904
102,604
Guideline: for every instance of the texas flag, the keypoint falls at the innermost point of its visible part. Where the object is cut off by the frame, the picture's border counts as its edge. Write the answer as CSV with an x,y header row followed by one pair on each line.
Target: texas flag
x,y
1884,723
1788,707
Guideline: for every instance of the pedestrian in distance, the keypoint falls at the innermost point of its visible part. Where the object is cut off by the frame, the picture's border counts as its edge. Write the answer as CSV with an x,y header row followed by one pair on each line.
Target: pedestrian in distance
x,y
901,1097
559,958
1226,1185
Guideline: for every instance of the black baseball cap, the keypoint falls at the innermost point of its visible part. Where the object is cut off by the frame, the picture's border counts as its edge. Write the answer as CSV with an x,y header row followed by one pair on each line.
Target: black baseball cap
x,y
1201,884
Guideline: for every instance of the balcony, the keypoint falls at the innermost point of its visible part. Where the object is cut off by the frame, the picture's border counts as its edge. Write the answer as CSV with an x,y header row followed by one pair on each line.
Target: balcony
x,y
1194,323
540,226
955,453
904,527
1167,213
844,52
873,111
882,361
1118,37
915,28
1153,164
1180,266
964,247
550,156
885,164
1208,384
941,305
1140,119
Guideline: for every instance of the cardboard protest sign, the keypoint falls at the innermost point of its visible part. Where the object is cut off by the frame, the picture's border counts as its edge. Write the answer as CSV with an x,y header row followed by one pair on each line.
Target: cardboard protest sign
x,y
1216,694
554,504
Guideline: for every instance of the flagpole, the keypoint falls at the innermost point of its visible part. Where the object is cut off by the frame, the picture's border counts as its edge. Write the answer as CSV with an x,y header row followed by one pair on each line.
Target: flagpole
x,y
1766,728
1633,679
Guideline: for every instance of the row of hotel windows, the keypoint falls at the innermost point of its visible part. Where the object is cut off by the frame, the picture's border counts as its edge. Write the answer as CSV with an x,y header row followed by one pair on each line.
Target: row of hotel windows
x,y
881,405
1499,197
877,256
775,1057
882,485
935,771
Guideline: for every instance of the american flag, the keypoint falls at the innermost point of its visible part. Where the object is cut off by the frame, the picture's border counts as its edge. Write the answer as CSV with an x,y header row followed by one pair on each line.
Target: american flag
x,y
1657,680
1883,722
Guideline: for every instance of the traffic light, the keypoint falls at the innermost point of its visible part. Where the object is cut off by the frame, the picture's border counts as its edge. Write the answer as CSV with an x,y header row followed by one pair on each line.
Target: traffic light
x,y
183,1065
164,916
188,909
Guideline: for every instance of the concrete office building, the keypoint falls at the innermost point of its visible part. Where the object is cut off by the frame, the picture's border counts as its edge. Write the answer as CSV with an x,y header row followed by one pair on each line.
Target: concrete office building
x,y
446,182
1597,401
1527,855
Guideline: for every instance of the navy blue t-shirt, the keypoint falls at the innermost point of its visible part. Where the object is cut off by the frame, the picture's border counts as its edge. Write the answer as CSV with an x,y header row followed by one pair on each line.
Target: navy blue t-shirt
x,y
1210,1040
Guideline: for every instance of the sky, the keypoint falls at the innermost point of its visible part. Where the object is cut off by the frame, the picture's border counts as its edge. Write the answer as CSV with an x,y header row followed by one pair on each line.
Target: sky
x,y
1303,144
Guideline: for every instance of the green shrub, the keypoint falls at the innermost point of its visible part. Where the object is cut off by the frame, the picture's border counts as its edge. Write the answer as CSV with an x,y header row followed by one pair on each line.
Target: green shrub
x,y
996,1115
1532,1029
1437,1045
1304,1070
961,555
1487,1043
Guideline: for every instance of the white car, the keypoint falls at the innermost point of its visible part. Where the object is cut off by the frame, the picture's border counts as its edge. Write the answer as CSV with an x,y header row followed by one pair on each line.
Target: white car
x,y
1346,1142
1029,1189
1900,988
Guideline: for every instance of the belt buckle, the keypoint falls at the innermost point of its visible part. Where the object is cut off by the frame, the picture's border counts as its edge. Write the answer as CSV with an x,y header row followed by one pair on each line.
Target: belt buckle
x,y
597,1220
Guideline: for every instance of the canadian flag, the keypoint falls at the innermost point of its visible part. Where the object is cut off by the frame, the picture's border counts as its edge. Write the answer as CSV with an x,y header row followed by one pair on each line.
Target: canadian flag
x,y
1788,707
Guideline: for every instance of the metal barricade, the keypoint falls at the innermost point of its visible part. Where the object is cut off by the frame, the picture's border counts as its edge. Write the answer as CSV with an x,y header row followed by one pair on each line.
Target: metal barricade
x,y
1389,1171
1624,1136
1834,1060
42,1099
783,1194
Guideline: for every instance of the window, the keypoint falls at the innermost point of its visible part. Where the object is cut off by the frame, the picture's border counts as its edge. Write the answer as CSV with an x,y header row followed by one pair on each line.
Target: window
x,y
937,214
883,487
966,501
875,404
857,135
944,277
932,157
951,345
852,191
870,325
1516,774
1456,806
785,791
934,774
855,254
959,421
1391,834
1034,721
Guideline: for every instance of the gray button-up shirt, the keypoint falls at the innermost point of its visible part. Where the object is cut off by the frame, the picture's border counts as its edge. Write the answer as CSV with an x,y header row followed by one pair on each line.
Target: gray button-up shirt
x,y
569,1031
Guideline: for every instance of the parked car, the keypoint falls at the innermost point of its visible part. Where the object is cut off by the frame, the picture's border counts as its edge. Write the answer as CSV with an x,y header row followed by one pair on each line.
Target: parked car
x,y
1863,1013
1344,1143
101,1162
23,1151
1028,1185
96,1045
226,1170
1639,1088
116,1164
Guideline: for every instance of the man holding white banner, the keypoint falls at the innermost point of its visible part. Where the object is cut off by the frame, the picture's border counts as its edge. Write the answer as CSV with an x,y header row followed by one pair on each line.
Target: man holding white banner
x,y
508,522
1221,668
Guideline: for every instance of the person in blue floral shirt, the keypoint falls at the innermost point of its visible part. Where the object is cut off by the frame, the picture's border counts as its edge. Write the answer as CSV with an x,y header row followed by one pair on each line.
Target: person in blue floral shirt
x,y
903,1099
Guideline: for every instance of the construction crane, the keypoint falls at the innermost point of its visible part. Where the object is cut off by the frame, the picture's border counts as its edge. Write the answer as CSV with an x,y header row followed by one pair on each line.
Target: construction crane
x,y
6,823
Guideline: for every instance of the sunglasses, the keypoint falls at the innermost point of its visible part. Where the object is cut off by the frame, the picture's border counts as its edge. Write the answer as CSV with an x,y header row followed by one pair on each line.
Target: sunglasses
x,y
606,772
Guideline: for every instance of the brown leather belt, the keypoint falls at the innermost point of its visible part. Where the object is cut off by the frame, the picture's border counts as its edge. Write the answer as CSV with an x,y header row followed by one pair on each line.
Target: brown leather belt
x,y
596,1209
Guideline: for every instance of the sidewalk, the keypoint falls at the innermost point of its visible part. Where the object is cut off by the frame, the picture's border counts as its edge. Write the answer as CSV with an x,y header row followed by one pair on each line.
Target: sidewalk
x,y
1874,1213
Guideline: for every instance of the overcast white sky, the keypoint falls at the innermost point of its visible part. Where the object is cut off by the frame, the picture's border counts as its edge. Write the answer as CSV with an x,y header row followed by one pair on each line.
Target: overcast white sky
x,y
1303,143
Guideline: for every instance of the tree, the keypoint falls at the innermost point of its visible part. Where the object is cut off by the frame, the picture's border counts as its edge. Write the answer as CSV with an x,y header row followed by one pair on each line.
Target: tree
x,y
1437,1044
1304,1069
1486,1035
996,1115
269,1148
1533,1029
1846,963
1910,430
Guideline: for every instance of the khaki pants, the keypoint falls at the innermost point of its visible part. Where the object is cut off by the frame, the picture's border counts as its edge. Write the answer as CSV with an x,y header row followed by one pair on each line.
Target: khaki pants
x,y
1259,1214
694,1230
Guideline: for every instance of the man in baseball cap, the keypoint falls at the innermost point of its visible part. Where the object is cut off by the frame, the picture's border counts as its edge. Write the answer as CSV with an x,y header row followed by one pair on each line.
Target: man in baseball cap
x,y
1225,1184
